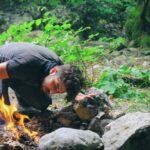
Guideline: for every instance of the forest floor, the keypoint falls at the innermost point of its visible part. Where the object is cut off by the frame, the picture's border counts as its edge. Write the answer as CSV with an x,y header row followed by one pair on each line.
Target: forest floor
x,y
134,57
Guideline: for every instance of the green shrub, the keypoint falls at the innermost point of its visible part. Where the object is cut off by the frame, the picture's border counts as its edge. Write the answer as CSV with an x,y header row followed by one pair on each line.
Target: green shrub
x,y
134,28
104,16
145,40
118,43
111,81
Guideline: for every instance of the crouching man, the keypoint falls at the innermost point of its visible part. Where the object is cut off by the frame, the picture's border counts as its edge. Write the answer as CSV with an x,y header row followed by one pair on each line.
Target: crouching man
x,y
34,73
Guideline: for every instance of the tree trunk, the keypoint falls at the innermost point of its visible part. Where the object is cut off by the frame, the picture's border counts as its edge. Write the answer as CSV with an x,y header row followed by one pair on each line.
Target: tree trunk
x,y
145,24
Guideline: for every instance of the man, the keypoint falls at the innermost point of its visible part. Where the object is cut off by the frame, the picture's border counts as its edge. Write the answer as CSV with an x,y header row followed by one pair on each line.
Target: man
x,y
35,72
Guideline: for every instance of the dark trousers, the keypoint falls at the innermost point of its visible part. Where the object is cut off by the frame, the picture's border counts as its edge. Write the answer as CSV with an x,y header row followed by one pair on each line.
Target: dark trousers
x,y
27,94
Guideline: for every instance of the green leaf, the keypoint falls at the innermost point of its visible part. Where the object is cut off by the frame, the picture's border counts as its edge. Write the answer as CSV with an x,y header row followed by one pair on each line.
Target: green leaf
x,y
38,22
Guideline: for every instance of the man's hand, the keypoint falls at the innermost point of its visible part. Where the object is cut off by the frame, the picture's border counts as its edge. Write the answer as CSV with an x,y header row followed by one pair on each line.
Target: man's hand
x,y
3,70
81,96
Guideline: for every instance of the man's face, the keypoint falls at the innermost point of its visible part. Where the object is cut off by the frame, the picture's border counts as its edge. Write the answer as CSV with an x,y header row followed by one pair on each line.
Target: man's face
x,y
52,84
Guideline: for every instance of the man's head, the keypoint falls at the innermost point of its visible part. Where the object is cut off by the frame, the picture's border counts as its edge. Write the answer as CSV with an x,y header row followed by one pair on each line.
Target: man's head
x,y
64,78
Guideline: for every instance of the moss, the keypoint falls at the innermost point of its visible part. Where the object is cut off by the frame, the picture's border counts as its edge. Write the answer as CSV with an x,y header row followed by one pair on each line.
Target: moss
x,y
133,28
145,41
132,25
129,28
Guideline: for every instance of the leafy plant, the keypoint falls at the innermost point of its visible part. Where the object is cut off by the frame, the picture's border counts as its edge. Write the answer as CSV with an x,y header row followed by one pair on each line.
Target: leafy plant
x,y
112,82
134,72
58,37
118,43
16,32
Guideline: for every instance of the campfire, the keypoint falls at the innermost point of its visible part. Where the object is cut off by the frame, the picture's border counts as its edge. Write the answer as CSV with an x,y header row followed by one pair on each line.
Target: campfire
x,y
20,132
12,126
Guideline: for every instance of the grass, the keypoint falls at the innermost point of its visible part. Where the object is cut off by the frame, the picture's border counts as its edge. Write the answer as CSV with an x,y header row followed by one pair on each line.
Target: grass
x,y
134,105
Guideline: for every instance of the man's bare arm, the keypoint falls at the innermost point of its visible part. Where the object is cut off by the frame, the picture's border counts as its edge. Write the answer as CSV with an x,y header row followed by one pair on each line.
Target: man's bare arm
x,y
3,70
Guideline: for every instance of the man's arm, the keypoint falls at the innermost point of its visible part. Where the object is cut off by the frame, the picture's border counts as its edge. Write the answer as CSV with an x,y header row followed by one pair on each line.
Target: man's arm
x,y
3,70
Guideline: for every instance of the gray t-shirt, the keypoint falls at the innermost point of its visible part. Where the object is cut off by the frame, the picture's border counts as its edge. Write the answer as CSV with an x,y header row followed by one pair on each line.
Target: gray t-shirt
x,y
28,62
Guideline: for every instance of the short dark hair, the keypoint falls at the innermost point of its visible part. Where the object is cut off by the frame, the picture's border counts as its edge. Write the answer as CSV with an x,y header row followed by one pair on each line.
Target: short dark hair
x,y
73,79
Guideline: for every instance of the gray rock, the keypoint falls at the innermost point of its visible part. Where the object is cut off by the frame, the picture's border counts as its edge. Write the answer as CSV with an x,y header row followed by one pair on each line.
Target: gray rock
x,y
11,17
114,114
145,52
70,139
19,19
98,126
130,132
101,95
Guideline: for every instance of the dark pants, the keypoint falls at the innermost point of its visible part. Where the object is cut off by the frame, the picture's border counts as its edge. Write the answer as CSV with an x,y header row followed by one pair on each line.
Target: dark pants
x,y
27,94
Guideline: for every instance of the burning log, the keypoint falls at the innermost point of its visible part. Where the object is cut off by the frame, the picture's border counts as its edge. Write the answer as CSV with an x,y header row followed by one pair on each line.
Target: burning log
x,y
14,134
8,141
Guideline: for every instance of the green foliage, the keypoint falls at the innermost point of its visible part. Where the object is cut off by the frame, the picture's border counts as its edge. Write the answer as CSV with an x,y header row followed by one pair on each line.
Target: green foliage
x,y
118,43
111,81
134,28
14,3
101,15
135,73
145,40
132,23
106,39
16,33
114,43
58,37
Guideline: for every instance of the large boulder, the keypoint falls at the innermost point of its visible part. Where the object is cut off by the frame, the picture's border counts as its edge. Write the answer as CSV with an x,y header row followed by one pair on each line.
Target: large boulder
x,y
70,139
130,132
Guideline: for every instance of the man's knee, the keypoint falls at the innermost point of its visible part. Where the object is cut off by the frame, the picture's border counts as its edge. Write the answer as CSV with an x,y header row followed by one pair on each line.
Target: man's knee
x,y
43,103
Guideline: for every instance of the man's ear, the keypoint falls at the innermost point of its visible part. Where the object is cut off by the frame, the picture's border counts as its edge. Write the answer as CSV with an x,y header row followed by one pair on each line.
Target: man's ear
x,y
53,70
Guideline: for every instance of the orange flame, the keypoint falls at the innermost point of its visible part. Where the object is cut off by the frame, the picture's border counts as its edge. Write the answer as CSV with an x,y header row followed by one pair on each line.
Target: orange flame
x,y
8,112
